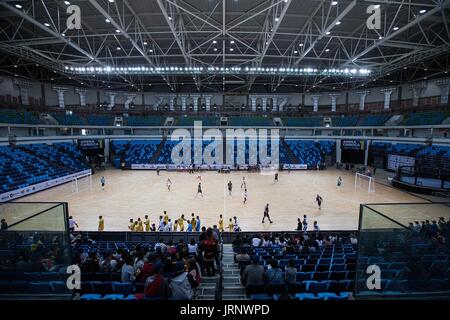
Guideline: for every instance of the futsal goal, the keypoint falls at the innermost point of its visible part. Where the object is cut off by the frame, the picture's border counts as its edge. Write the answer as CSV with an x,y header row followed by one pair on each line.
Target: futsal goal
x,y
365,182
81,183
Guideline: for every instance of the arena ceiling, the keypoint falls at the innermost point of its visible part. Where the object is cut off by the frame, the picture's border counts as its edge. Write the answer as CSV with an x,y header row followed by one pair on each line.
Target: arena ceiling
x,y
412,43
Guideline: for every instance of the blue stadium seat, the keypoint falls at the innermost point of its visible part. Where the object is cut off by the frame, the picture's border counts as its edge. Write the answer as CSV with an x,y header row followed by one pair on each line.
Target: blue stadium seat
x,y
123,288
296,287
91,296
59,287
40,288
316,286
261,296
102,287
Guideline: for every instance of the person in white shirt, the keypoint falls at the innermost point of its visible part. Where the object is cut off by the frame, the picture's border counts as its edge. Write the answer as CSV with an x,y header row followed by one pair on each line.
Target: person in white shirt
x,y
128,271
161,224
170,225
72,224
192,247
167,227
316,226
256,241
160,244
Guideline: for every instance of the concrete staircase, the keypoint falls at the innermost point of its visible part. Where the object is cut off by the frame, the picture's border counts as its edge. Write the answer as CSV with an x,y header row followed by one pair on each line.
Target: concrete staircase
x,y
232,288
207,290
292,157
158,151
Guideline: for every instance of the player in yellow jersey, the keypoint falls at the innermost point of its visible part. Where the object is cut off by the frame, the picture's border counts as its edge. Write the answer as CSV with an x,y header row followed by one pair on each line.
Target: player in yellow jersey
x,y
131,225
140,225
220,223
101,223
193,222
166,217
230,225
181,222
147,223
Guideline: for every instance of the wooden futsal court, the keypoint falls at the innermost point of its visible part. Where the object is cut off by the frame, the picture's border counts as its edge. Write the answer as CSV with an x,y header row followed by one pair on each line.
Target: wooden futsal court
x,y
132,194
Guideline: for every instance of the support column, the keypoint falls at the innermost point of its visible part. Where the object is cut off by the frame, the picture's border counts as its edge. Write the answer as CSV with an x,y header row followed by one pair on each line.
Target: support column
x,y
387,97
82,93
315,99
253,99
362,98
195,98
274,104
183,102
208,103
333,97
60,91
172,102
417,89
444,86
264,104
23,86
112,99
284,101
128,99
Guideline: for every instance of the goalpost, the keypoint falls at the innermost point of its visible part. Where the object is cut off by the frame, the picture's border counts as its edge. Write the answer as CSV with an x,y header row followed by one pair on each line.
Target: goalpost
x,y
365,182
75,185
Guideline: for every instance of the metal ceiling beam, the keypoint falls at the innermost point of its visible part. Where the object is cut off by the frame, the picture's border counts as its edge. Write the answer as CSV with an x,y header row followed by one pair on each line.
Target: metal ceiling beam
x,y
412,23
105,14
267,38
181,45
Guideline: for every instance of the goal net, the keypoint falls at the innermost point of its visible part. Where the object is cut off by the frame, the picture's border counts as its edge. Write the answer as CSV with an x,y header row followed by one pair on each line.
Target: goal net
x,y
81,184
364,182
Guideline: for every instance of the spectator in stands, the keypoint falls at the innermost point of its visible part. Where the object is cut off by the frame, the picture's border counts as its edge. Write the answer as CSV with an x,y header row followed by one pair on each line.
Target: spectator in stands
x,y
192,247
209,253
266,241
202,235
290,273
216,232
194,270
92,263
254,274
274,274
138,262
182,282
4,225
72,224
156,285
160,245
242,256
256,241
128,270
109,264
237,242
299,225
353,239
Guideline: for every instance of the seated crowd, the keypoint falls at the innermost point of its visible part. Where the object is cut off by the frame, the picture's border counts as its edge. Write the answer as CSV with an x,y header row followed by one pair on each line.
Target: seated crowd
x,y
271,264
160,271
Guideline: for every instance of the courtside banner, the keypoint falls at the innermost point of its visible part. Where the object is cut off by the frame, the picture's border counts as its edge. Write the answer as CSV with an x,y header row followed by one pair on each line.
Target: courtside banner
x,y
295,166
7,196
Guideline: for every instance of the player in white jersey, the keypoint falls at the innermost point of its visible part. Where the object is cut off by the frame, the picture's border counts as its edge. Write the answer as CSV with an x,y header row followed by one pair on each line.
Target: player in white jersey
x,y
169,183
243,183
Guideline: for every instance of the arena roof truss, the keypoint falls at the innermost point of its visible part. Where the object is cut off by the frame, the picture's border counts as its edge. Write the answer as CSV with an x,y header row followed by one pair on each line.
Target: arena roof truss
x,y
232,46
